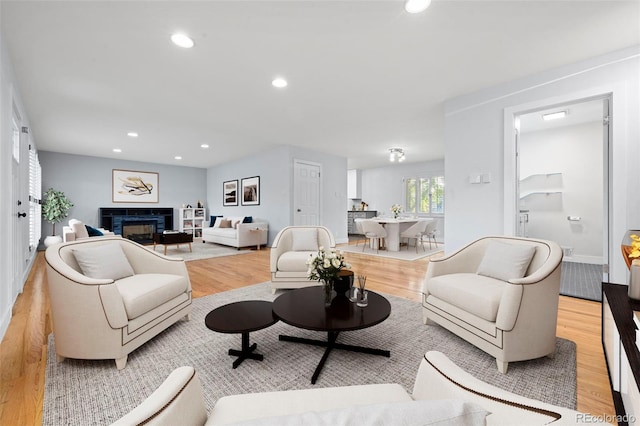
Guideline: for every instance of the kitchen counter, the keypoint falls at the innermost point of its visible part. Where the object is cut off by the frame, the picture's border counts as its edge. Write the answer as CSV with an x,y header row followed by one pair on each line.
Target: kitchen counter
x,y
352,215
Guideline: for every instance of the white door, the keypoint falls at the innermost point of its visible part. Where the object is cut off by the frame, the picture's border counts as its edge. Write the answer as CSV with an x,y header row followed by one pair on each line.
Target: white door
x,y
306,193
19,206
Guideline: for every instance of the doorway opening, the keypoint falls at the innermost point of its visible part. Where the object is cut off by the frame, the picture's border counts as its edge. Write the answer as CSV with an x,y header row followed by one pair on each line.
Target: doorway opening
x,y
561,187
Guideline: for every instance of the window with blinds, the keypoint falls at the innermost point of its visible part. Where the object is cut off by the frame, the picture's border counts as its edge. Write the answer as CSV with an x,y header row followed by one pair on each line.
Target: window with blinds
x,y
424,195
35,195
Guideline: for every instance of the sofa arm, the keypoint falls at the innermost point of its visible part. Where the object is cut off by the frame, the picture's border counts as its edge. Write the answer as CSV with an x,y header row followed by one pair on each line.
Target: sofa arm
x,y
178,400
113,306
146,261
439,378
68,234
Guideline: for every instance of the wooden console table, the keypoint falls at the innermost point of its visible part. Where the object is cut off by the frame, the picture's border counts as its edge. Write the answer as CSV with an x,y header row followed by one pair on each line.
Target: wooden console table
x,y
620,350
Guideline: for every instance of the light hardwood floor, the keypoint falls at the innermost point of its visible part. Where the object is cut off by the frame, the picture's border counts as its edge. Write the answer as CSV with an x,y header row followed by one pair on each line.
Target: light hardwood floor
x,y
23,350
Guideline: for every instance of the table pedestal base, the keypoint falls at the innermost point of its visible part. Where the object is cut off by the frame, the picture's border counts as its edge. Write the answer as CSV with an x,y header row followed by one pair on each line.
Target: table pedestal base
x,y
245,352
331,344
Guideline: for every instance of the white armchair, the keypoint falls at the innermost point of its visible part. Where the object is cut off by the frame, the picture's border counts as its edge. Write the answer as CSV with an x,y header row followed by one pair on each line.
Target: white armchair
x,y
499,294
110,295
290,251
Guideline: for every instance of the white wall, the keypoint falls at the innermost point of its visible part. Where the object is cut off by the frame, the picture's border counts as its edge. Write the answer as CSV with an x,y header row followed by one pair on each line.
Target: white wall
x,y
9,96
384,186
475,143
576,153
86,181
275,168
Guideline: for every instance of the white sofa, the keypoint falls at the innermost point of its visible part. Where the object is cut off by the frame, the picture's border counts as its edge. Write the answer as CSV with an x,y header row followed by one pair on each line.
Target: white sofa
x,y
500,294
240,235
290,251
76,230
110,295
443,394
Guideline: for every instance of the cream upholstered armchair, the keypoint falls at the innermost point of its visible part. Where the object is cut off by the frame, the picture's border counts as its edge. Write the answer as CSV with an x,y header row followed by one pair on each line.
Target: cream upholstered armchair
x,y
499,294
110,295
290,251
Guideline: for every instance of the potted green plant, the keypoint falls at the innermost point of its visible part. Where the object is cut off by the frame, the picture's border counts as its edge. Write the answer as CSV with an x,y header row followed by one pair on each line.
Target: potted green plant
x,y
56,207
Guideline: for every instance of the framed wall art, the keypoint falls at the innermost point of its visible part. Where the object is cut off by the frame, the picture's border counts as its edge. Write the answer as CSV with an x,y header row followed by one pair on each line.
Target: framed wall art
x,y
251,191
230,193
130,186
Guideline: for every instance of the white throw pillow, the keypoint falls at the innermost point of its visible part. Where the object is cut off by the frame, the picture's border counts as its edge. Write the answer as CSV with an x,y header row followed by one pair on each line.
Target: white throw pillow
x,y
218,222
106,261
305,240
505,261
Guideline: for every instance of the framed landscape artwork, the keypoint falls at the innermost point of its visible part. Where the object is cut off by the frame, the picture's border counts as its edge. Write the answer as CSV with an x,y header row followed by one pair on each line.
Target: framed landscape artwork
x,y
129,186
230,193
251,191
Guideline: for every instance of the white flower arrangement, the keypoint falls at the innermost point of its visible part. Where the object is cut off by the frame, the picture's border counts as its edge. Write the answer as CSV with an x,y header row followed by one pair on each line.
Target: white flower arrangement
x,y
325,265
396,209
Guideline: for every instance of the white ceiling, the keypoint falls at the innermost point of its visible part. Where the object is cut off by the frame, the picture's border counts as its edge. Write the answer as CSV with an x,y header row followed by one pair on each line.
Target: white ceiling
x,y
363,76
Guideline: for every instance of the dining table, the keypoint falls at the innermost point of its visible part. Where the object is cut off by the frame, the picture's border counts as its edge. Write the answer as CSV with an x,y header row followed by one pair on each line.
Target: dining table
x,y
394,227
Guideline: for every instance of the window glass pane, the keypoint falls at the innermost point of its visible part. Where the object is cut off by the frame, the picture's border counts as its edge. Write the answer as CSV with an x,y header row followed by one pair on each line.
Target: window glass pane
x,y
424,195
16,142
35,189
437,194
410,195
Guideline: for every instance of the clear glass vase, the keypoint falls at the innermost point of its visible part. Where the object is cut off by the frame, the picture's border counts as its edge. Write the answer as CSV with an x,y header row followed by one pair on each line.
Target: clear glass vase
x,y
327,287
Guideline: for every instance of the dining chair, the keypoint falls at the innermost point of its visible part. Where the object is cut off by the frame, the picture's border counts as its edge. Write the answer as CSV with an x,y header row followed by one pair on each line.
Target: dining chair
x,y
373,232
415,232
359,231
430,233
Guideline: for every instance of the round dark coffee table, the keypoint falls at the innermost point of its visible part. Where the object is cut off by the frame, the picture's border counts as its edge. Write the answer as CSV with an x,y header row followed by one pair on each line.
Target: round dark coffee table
x,y
242,317
304,308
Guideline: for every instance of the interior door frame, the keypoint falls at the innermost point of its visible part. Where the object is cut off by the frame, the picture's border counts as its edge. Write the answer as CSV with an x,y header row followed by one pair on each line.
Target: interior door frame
x,y
511,168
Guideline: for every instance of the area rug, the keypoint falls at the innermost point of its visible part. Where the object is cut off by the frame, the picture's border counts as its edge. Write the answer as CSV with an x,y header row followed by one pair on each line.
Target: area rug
x,y
95,393
200,250
403,254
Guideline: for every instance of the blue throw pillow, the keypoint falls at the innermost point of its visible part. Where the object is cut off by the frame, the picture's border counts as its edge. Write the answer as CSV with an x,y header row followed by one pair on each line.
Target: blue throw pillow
x,y
212,221
93,232
247,219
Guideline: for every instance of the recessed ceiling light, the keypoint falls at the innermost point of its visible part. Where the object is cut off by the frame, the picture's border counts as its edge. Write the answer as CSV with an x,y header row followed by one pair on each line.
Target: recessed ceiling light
x,y
416,6
182,40
133,134
204,145
117,150
554,115
177,157
279,83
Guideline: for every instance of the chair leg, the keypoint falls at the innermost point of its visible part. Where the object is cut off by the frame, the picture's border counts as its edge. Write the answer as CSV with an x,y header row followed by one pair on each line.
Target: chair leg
x,y
425,319
502,366
121,362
